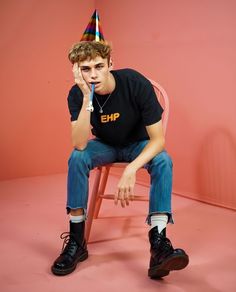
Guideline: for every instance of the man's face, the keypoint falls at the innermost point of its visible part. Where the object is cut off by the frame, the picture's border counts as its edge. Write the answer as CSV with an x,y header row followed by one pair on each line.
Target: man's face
x,y
96,71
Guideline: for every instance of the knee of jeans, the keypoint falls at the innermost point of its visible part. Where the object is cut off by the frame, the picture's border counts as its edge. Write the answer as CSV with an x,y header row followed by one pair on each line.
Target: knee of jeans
x,y
162,159
78,157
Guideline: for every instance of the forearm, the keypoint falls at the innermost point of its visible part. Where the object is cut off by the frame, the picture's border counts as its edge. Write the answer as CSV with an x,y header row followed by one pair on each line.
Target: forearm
x,y
81,128
150,150
127,180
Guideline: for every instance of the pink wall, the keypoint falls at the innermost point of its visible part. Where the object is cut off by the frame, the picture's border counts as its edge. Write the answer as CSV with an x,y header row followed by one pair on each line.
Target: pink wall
x,y
187,46
35,78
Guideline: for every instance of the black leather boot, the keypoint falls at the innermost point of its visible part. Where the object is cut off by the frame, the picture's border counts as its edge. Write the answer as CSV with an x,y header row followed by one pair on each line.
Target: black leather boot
x,y
164,258
74,250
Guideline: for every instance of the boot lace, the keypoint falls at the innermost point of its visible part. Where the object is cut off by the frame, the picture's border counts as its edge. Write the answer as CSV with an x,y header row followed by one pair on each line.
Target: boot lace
x,y
167,245
68,243
163,242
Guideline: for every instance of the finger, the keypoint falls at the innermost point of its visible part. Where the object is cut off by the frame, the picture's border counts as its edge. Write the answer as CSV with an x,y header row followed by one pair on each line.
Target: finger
x,y
126,197
79,75
122,202
131,193
121,197
116,198
75,69
75,66
85,84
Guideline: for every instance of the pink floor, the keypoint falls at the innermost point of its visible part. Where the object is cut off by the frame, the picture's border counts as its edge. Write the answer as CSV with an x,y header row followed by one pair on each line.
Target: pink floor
x,y
32,217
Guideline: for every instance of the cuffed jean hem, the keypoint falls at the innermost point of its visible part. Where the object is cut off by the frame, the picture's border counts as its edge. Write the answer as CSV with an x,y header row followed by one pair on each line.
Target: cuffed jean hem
x,y
68,209
170,217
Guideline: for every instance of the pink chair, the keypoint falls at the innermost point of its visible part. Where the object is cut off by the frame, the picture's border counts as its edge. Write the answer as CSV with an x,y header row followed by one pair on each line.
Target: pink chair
x,y
102,172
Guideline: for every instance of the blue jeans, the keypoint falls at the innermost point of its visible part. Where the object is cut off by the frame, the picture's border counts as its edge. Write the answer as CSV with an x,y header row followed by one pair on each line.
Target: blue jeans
x,y
98,153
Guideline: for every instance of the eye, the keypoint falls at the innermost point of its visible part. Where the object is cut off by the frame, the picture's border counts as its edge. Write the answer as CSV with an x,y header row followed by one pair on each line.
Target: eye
x,y
100,66
85,69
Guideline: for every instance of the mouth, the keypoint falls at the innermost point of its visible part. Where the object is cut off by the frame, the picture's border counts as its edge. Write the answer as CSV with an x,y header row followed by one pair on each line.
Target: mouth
x,y
95,83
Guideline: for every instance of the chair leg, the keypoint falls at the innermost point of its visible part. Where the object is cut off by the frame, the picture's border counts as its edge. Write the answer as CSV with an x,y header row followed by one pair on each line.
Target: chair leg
x,y
101,191
92,203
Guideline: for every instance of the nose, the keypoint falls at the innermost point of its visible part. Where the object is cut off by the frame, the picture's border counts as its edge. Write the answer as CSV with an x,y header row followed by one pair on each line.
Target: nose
x,y
93,73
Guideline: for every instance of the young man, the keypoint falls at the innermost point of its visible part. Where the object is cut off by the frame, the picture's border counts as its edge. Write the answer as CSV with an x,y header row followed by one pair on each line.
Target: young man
x,y
126,122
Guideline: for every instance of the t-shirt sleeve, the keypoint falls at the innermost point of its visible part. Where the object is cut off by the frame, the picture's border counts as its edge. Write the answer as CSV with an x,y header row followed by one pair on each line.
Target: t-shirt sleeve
x,y
74,100
151,110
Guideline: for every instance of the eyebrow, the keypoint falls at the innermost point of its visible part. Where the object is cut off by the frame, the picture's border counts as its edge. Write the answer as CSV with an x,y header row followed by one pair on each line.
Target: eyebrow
x,y
88,67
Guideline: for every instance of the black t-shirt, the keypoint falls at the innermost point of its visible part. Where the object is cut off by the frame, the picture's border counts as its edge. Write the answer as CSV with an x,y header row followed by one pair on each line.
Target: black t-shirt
x,y
132,106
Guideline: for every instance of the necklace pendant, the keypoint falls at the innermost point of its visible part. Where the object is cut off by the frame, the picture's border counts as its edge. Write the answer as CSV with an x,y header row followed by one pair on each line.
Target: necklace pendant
x,y
100,111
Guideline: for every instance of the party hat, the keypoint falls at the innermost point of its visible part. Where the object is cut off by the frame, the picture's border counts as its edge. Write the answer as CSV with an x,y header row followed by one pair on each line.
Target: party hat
x,y
93,31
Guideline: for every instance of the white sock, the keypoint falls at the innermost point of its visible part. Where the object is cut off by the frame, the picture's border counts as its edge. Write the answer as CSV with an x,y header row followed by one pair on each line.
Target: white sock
x,y
77,219
159,220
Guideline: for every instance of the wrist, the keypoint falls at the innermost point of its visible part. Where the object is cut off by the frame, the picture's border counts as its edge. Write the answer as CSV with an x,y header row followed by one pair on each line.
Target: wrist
x,y
86,98
131,168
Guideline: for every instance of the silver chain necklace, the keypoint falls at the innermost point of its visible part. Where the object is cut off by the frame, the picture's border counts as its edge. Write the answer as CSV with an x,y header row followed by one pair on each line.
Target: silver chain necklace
x,y
101,106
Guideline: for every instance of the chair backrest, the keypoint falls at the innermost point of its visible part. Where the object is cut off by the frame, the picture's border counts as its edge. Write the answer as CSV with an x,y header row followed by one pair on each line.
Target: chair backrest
x,y
164,101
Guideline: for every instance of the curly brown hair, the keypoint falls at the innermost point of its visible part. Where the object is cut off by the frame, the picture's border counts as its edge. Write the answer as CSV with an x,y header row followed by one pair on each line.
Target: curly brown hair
x,y
89,50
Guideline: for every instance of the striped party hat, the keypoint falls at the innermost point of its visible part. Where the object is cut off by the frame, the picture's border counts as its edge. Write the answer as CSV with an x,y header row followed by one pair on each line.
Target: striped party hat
x,y
93,31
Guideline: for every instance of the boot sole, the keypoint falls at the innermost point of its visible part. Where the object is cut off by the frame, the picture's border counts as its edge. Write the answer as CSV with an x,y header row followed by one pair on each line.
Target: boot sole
x,y
177,262
59,272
